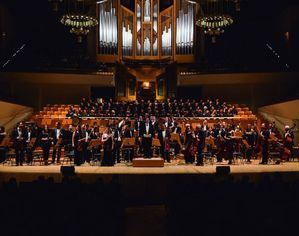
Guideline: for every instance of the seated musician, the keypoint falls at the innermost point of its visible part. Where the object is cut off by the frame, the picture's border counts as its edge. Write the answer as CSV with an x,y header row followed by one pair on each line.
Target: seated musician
x,y
147,137
57,137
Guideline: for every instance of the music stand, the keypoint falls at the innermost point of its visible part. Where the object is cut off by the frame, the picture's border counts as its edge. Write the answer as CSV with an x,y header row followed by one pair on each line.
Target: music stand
x,y
156,144
128,144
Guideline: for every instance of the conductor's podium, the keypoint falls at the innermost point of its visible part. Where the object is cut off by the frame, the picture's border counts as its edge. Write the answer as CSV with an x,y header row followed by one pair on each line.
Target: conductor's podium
x,y
144,162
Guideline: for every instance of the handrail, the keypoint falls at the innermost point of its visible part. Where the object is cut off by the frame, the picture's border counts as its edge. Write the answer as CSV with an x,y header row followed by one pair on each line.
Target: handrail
x,y
11,58
132,118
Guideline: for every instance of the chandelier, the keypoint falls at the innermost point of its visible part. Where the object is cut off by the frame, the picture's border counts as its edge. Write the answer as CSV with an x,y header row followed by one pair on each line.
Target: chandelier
x,y
215,16
78,22
214,24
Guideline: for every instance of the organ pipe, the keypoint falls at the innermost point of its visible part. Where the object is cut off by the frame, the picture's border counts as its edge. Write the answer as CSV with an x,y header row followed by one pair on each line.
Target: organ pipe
x,y
127,40
138,29
108,29
185,31
166,41
144,25
155,27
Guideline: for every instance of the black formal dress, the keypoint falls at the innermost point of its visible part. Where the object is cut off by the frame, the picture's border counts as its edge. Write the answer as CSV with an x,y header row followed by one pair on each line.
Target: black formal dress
x,y
108,160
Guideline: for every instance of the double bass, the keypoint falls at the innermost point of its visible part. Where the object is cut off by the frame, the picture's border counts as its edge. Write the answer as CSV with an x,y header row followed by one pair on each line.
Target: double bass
x,y
288,142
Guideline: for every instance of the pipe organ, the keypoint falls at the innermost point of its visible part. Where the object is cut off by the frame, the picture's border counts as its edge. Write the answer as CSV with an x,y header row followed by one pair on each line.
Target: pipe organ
x,y
144,30
108,28
127,32
185,29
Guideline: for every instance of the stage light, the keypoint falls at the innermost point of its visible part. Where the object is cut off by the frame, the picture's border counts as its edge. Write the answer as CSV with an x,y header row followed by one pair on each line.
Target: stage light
x,y
146,85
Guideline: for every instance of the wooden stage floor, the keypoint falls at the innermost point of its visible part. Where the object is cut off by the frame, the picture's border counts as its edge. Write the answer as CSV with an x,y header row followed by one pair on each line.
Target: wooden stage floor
x,y
7,172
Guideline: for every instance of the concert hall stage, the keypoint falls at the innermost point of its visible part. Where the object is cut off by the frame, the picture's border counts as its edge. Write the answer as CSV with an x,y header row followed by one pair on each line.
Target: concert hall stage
x,y
91,173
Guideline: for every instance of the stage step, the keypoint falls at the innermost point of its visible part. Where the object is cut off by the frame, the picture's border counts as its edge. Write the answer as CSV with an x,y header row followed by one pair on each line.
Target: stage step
x,y
144,162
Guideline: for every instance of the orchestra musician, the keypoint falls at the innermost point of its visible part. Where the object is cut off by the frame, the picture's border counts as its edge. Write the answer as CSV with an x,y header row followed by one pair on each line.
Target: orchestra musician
x,y
108,148
265,135
200,137
249,137
2,149
18,135
164,137
221,133
76,143
29,136
288,140
176,130
46,143
189,136
229,143
67,138
117,138
147,137
127,133
84,143
138,126
57,138
154,123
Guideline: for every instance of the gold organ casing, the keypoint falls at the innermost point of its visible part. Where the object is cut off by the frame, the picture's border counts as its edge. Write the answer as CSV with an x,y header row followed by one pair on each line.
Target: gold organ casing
x,y
146,32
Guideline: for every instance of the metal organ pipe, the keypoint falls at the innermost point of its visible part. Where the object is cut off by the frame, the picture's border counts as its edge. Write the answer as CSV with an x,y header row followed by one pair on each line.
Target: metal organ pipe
x,y
155,27
138,29
166,41
185,31
127,40
108,30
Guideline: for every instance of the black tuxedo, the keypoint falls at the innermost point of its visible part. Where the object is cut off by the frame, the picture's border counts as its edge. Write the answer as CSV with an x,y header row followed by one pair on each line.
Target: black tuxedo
x,y
138,126
117,144
57,150
201,138
148,133
29,150
19,145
